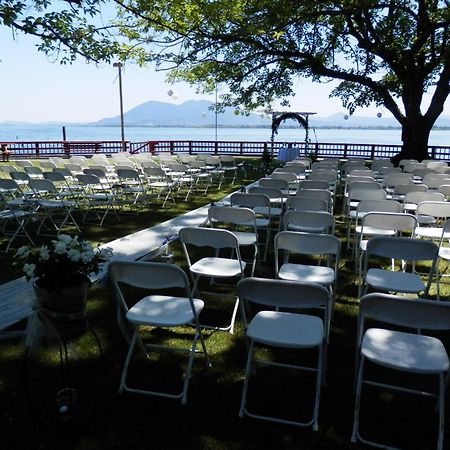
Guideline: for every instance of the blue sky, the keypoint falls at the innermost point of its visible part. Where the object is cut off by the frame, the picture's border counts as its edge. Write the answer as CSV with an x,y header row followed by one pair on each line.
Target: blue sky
x,y
36,89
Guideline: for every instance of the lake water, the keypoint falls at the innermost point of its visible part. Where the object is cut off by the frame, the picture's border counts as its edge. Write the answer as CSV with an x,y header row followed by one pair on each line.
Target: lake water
x,y
40,132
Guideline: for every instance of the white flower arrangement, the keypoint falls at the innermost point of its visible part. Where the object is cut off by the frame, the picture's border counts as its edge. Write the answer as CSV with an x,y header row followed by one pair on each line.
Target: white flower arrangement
x,y
64,262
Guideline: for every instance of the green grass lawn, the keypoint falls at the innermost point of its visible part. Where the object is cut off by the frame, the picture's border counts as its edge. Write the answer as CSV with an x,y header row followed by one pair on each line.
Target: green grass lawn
x,y
210,419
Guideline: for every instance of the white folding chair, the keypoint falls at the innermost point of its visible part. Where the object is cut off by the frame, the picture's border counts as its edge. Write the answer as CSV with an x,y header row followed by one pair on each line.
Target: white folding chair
x,y
321,267
228,165
380,224
433,213
402,351
290,330
160,309
97,198
131,187
408,252
243,225
54,210
260,204
213,267
160,183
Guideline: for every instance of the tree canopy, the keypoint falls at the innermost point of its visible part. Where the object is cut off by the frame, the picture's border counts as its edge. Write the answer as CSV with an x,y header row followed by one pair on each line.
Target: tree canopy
x,y
67,28
394,53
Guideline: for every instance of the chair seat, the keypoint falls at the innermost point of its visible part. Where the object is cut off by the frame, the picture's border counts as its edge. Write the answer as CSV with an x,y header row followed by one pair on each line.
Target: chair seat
x,y
425,220
386,280
374,231
429,232
281,329
163,310
306,273
217,267
444,253
245,238
405,351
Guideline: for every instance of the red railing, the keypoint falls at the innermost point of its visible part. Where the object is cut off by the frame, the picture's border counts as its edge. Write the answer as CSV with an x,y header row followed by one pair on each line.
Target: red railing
x,y
45,149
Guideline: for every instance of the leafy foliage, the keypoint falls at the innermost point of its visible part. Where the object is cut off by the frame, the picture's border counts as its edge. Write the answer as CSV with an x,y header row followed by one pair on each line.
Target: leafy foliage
x,y
66,29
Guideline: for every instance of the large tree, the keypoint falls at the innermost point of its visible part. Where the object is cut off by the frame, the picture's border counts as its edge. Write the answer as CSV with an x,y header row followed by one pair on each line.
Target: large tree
x,y
394,53
388,53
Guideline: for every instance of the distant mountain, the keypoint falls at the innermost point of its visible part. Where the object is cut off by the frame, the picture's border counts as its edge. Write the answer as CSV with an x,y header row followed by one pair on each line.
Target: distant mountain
x,y
193,113
200,113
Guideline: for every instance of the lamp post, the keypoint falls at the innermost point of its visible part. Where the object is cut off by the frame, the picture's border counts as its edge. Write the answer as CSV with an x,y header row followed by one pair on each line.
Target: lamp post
x,y
119,66
215,112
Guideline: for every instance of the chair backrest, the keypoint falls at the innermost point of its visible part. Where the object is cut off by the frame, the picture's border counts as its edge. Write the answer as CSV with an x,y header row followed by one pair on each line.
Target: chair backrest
x,y
394,179
19,176
307,204
100,173
286,176
231,215
367,184
147,163
309,221
313,184
297,169
271,192
402,248
249,200
434,180
55,177
421,172
323,175
307,243
88,179
379,205
208,237
389,221
63,171
362,173
128,174
155,172
144,275
23,163
366,194
386,170
419,314
418,197
403,189
435,209
283,293
444,189
38,185
33,170
323,194
273,183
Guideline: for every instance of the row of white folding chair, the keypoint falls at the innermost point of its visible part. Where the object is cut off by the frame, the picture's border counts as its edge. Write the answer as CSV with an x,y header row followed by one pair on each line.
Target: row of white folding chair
x,y
158,310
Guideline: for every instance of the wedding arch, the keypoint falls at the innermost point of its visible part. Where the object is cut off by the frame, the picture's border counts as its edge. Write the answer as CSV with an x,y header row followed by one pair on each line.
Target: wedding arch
x,y
301,117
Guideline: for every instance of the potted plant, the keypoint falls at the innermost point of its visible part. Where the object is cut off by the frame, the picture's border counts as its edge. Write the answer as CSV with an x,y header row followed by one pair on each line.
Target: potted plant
x,y
60,273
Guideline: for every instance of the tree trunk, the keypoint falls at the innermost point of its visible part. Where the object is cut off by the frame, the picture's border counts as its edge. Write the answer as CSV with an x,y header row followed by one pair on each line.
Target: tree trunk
x,y
415,134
